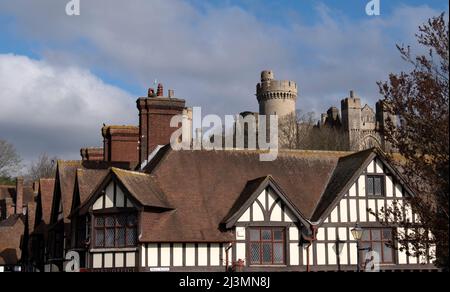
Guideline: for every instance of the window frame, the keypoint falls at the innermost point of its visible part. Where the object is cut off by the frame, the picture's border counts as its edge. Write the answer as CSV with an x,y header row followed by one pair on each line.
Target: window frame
x,y
382,181
382,241
260,242
96,228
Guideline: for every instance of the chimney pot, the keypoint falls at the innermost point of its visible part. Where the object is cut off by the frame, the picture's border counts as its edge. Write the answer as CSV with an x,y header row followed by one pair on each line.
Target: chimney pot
x,y
151,92
160,91
171,93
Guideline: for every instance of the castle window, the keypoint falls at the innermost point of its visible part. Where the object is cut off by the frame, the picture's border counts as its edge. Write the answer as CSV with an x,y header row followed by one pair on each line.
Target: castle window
x,y
375,185
115,231
267,246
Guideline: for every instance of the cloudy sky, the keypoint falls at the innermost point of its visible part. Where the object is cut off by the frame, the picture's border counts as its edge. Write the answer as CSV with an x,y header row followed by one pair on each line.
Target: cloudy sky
x,y
62,76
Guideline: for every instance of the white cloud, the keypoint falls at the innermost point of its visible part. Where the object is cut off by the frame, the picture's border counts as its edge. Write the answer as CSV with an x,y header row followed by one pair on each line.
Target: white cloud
x,y
212,56
45,108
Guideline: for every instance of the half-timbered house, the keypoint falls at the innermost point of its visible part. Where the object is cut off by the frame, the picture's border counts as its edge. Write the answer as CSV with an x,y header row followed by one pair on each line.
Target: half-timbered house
x,y
222,210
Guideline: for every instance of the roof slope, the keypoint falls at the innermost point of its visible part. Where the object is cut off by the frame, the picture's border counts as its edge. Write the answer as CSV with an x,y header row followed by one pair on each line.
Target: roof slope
x,y
46,190
66,176
204,185
11,231
347,168
143,188
88,180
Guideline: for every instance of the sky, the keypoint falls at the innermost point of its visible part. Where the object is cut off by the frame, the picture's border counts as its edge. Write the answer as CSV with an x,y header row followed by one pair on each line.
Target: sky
x,y
62,77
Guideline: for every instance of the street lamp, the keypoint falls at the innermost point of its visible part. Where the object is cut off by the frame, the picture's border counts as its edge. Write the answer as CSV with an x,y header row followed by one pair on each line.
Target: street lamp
x,y
357,233
338,247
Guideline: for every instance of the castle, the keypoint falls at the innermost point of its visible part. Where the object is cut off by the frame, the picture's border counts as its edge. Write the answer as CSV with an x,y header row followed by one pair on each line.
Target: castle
x,y
360,126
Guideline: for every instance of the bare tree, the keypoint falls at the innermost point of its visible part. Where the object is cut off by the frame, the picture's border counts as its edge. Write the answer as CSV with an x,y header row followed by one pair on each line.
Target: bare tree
x,y
44,167
9,159
420,98
301,132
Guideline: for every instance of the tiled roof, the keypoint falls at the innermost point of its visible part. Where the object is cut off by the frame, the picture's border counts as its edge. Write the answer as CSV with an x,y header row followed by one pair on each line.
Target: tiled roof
x,y
88,179
143,187
203,186
46,190
11,231
347,167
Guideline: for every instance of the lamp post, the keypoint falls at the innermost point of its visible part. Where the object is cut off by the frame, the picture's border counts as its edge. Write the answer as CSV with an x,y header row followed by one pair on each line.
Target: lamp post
x,y
338,247
357,233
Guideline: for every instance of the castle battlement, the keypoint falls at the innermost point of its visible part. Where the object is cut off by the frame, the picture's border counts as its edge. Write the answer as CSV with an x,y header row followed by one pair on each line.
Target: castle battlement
x,y
269,88
276,96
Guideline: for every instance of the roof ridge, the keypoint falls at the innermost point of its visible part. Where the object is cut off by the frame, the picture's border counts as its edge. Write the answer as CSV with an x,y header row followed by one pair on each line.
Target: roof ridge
x,y
115,169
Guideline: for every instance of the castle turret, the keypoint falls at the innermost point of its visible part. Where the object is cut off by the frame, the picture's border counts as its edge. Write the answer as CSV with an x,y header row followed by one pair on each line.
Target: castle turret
x,y
351,119
351,112
382,118
276,97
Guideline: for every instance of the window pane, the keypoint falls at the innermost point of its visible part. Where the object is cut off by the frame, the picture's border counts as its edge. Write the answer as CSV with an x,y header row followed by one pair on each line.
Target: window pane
x,y
370,186
110,221
120,237
277,235
131,220
387,256
109,237
278,257
99,238
378,188
387,234
366,245
255,253
99,221
365,235
131,236
377,248
254,235
267,253
266,234
121,220
376,234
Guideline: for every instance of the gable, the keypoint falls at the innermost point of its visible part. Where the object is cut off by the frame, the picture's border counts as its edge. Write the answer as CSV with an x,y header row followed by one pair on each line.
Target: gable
x,y
268,207
112,196
354,204
262,200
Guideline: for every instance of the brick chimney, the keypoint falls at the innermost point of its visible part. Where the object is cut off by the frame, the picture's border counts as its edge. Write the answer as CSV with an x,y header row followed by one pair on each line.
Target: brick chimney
x,y
19,195
120,143
92,154
155,114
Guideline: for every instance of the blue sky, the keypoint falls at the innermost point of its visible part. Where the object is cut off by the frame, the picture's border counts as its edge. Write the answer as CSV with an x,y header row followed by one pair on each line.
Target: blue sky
x,y
210,52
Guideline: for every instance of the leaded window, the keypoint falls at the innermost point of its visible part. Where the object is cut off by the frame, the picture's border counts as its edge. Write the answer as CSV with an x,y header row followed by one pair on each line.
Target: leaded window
x,y
267,246
112,231
375,185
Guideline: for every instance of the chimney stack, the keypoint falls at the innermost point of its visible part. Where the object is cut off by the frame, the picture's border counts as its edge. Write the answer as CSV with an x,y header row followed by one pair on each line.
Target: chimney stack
x,y
155,115
19,195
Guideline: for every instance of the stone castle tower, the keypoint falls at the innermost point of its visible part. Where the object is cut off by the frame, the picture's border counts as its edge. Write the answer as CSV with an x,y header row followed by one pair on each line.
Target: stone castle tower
x,y
276,97
363,125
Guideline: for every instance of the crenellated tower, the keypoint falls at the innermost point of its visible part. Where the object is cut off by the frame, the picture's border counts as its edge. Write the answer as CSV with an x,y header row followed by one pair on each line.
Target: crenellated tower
x,y
276,97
